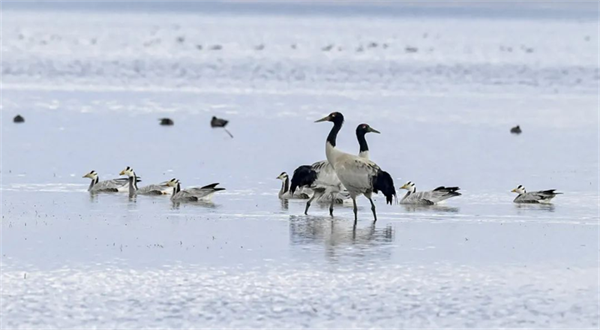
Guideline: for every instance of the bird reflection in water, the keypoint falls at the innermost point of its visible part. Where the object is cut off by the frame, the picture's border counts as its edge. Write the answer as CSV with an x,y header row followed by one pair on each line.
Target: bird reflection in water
x,y
285,204
430,208
206,204
341,238
535,207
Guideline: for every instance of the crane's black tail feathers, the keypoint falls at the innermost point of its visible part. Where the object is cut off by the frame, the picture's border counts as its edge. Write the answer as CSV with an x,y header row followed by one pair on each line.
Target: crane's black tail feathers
x,y
303,176
383,182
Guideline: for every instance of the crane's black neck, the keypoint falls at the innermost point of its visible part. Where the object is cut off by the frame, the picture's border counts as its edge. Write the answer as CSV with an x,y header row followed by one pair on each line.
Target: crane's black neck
x,y
362,142
177,188
337,125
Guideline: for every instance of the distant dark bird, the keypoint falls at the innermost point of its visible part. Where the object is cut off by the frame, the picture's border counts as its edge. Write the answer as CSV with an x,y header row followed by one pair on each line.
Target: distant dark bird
x,y
327,48
18,119
516,130
259,47
219,122
166,121
534,197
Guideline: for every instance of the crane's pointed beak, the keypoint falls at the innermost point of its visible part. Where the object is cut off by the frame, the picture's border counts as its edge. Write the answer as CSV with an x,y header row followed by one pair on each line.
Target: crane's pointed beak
x,y
404,187
372,130
86,176
326,118
122,172
514,190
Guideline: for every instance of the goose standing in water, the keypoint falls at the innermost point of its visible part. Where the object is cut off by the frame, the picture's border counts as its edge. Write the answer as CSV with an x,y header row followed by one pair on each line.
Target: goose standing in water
x,y
427,197
192,194
114,185
284,192
534,197
321,177
153,189
360,176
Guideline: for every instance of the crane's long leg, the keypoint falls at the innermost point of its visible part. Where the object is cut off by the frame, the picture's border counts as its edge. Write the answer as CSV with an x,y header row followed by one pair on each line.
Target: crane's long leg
x,y
372,206
310,200
355,210
331,205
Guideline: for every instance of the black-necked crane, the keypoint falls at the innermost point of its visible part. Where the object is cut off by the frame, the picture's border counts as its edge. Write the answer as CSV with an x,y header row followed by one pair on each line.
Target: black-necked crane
x,y
360,176
321,178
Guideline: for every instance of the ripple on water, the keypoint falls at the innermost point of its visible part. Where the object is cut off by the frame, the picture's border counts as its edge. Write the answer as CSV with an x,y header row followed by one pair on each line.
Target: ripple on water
x,y
439,295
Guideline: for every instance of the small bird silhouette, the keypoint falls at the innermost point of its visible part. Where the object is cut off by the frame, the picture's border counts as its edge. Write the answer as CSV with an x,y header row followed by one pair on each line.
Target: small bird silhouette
x,y
219,122
18,119
166,121
516,130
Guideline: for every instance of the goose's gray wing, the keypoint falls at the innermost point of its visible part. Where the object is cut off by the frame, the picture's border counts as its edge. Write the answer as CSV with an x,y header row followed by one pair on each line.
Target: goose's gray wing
x,y
184,196
153,189
418,198
202,192
110,185
198,192
536,196
430,197
442,193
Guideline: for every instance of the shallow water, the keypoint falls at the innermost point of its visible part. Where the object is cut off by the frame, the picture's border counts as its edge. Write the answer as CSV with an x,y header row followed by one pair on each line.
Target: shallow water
x,y
72,260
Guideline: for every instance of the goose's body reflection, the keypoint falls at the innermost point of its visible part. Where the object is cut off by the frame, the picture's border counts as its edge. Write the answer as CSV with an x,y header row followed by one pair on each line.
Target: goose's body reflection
x,y
534,207
340,238
430,208
206,204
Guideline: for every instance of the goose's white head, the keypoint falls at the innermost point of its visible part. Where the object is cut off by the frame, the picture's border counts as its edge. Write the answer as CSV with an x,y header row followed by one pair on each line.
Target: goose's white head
x,y
410,186
127,171
519,190
283,176
171,183
92,175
